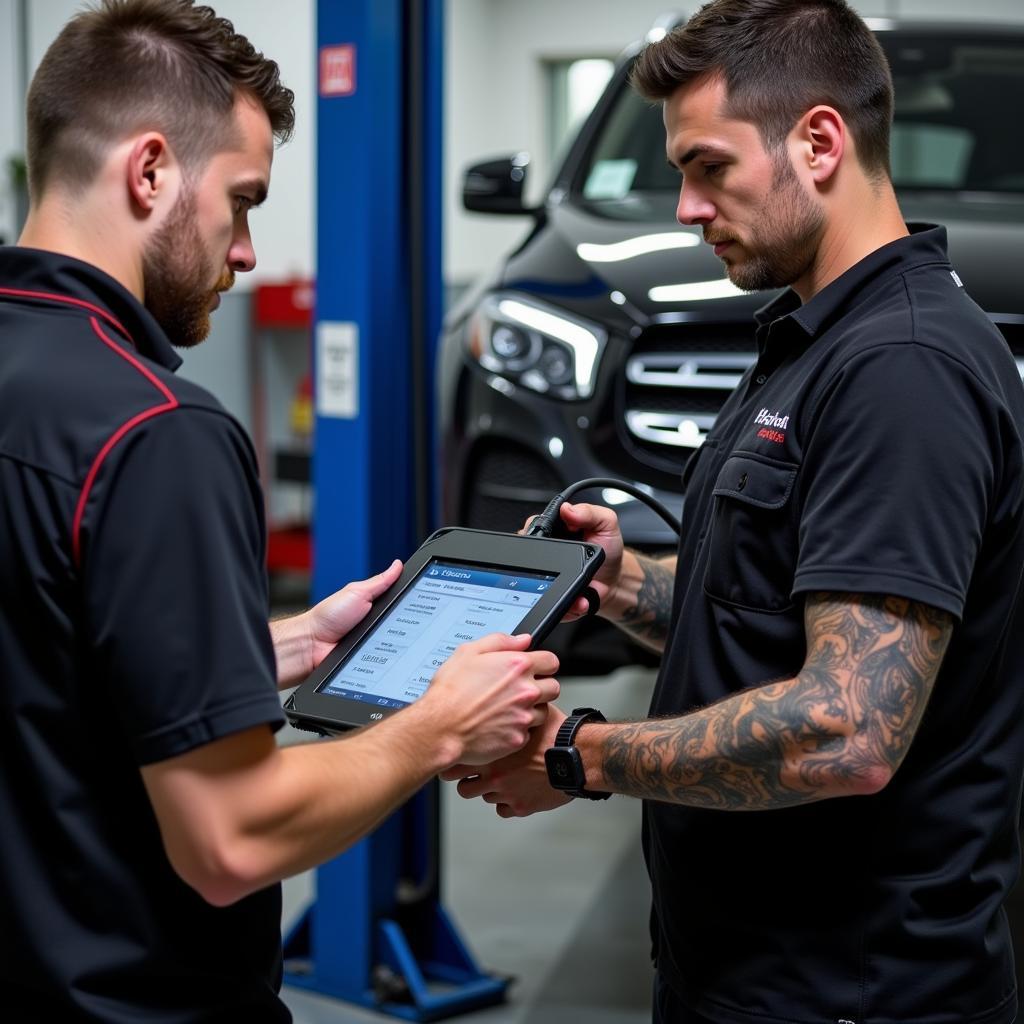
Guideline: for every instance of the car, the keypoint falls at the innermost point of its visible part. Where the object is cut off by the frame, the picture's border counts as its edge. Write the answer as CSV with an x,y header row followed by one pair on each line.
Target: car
x,y
606,342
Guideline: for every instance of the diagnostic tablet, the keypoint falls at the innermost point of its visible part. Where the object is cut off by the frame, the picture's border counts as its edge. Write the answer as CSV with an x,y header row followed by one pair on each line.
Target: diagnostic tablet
x,y
459,586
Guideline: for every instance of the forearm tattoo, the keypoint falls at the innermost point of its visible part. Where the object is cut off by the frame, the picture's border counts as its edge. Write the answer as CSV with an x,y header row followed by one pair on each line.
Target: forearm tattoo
x,y
648,622
841,726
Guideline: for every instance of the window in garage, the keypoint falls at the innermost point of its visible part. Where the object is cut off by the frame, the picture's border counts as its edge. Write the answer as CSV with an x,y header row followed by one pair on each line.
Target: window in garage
x,y
573,88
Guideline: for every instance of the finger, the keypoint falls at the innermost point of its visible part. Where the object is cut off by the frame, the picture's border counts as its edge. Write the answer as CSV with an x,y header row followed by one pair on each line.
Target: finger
x,y
526,525
458,771
498,642
543,663
549,690
505,811
590,518
538,715
474,787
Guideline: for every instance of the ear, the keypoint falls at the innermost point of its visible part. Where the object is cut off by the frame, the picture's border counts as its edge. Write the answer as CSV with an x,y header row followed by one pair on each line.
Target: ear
x,y
151,174
821,140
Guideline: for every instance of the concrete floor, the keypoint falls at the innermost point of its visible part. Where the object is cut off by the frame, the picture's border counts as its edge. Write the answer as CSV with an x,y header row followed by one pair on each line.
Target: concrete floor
x,y
557,900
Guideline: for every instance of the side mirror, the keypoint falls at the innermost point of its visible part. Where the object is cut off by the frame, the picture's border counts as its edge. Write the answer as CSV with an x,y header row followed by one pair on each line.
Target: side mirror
x,y
496,186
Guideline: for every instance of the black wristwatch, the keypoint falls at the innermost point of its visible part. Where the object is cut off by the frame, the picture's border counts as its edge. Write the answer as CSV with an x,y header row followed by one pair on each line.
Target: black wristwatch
x,y
563,762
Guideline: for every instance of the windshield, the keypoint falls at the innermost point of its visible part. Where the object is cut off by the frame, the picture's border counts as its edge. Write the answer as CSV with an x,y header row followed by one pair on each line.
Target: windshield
x,y
957,124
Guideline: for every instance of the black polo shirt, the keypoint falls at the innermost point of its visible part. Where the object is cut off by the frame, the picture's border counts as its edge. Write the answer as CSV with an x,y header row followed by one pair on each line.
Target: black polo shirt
x,y
875,447
133,628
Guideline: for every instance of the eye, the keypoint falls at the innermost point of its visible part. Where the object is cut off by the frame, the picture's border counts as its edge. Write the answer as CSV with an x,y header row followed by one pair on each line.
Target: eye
x,y
242,204
713,170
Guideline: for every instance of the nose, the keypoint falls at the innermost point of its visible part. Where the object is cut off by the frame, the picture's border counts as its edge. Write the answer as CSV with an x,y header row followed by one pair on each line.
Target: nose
x,y
242,255
693,208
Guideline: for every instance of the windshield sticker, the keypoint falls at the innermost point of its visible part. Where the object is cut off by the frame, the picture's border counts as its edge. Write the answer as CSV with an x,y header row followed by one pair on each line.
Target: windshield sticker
x,y
610,179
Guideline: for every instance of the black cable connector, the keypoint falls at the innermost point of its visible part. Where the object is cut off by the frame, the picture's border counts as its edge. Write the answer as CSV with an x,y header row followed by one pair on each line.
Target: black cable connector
x,y
550,524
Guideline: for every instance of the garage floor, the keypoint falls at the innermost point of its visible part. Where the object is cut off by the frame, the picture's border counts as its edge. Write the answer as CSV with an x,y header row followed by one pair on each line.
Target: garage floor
x,y
558,900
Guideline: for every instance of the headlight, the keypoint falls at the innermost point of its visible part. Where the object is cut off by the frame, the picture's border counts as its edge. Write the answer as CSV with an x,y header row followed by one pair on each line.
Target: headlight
x,y
536,346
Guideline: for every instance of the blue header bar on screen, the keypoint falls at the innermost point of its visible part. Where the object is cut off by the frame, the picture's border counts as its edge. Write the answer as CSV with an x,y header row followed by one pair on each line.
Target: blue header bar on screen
x,y
442,572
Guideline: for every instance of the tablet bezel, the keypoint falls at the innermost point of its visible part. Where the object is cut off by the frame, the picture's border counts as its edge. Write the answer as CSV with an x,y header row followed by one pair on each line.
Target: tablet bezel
x,y
571,563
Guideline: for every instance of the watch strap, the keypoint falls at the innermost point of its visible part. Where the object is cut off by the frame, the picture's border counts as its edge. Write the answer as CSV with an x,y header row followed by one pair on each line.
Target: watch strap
x,y
568,729
567,734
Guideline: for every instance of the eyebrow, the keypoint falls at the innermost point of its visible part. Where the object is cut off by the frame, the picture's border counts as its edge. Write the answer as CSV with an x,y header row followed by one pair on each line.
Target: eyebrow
x,y
694,151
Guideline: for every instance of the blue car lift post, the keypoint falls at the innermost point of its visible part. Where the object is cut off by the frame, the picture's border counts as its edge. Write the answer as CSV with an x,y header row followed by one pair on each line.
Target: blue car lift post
x,y
376,934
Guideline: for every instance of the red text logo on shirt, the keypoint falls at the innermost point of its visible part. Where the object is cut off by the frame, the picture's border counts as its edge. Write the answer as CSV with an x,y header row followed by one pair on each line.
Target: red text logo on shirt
x,y
773,426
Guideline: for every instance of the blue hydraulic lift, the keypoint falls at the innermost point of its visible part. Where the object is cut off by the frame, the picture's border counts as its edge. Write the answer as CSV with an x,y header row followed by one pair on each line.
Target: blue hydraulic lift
x,y
377,934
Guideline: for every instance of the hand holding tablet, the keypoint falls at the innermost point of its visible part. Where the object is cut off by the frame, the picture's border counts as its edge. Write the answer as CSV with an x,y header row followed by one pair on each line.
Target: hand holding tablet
x,y
461,585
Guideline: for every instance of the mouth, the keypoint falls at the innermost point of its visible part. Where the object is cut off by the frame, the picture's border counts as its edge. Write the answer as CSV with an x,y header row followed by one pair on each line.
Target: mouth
x,y
215,301
720,247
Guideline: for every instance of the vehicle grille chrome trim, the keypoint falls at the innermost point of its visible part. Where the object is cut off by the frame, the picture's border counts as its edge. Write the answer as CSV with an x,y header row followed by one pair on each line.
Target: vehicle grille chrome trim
x,y
676,429
688,370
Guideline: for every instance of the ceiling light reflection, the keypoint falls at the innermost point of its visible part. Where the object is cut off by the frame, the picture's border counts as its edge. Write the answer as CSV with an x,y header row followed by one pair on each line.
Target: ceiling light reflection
x,y
630,248
613,496
695,291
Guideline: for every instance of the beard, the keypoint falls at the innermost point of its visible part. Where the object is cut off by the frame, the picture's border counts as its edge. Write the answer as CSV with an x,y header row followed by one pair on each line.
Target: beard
x,y
784,245
176,277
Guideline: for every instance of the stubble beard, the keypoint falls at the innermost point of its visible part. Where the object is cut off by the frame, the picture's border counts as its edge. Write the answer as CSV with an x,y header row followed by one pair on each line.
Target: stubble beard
x,y
783,248
176,277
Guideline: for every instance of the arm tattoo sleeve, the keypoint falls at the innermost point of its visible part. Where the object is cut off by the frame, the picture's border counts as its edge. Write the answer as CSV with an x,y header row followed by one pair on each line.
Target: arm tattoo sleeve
x,y
842,726
648,622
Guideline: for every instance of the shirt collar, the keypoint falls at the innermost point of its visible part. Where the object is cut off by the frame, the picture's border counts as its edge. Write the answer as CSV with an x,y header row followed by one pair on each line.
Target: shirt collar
x,y
926,243
37,274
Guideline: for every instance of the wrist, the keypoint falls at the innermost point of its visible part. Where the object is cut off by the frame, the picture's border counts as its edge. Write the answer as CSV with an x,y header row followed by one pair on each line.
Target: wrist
x,y
442,746
623,598
292,638
590,742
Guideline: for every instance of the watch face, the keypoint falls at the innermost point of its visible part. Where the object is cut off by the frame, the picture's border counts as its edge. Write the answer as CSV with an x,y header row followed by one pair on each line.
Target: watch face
x,y
565,769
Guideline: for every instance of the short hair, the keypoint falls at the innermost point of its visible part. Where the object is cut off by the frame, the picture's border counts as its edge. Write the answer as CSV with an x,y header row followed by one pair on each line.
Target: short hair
x,y
125,66
779,58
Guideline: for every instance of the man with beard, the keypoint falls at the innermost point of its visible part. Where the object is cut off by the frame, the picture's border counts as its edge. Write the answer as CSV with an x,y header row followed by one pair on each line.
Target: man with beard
x,y
842,627
148,814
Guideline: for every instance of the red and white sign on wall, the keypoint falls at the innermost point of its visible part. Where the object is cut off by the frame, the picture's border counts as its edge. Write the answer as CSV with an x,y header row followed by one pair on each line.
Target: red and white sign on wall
x,y
338,70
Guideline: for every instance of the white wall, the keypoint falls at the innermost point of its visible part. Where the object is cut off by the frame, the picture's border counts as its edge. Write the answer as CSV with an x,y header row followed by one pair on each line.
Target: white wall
x,y
283,229
11,131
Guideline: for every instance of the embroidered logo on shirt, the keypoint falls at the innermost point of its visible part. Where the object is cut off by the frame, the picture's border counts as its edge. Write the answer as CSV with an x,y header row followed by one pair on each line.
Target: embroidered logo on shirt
x,y
773,426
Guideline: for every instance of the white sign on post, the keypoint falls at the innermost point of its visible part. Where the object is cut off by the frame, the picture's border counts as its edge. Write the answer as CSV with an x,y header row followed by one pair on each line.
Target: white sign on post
x,y
337,369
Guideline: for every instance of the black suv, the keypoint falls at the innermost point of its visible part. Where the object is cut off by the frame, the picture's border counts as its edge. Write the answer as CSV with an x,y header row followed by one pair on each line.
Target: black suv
x,y
605,344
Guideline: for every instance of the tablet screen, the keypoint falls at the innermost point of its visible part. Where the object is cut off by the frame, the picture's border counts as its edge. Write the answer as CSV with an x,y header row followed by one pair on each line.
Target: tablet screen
x,y
447,605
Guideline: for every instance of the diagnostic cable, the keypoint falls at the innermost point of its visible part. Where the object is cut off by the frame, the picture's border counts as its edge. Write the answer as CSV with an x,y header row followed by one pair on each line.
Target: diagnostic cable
x,y
550,524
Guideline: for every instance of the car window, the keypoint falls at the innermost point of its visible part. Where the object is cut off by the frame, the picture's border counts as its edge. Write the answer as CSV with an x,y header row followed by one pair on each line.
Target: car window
x,y
959,105
633,133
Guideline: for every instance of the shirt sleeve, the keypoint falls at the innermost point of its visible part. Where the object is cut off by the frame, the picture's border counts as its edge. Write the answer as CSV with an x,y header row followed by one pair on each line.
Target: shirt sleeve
x,y
173,550
897,478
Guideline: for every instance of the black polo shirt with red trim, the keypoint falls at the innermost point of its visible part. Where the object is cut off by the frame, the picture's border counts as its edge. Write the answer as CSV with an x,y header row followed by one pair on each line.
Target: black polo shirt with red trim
x,y
874,448
133,628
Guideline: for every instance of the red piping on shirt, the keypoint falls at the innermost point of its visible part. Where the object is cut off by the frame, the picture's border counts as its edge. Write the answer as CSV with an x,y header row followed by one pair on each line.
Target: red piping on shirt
x,y
20,294
156,410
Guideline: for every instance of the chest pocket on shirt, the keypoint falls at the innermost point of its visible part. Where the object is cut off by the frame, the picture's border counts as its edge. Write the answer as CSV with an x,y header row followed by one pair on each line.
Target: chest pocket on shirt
x,y
752,549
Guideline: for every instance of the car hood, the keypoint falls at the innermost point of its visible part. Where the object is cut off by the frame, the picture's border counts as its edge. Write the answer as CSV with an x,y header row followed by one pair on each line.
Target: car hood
x,y
629,259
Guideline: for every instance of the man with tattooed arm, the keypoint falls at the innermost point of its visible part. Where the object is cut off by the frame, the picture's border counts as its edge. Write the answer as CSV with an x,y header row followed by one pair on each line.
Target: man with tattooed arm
x,y
831,769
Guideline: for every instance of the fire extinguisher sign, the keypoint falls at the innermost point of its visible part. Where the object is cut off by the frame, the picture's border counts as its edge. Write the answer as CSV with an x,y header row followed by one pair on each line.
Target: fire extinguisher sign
x,y
338,70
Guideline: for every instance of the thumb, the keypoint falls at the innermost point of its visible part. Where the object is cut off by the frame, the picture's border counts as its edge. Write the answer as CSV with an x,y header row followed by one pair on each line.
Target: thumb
x,y
376,585
499,642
